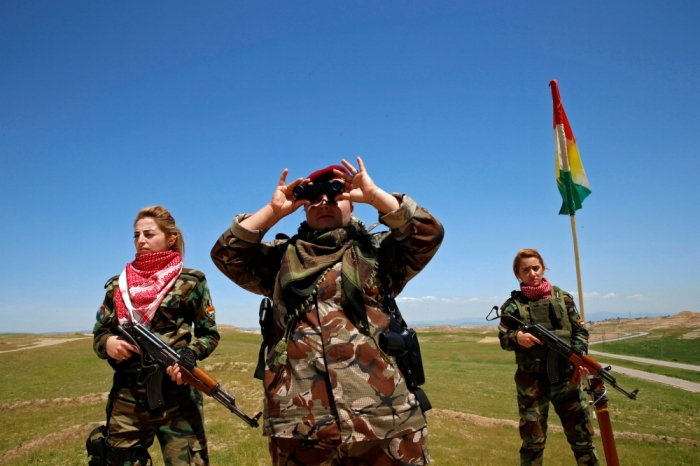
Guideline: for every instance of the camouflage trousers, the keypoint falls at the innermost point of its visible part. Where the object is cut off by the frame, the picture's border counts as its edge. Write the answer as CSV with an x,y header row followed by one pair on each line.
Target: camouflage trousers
x,y
535,394
411,449
179,425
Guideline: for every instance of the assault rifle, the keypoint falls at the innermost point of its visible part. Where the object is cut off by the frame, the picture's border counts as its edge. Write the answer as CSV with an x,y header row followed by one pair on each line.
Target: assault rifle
x,y
597,391
156,356
558,347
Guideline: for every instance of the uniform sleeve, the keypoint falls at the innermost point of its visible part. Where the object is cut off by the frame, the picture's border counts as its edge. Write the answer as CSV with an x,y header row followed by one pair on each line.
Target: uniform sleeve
x,y
506,335
414,239
104,322
579,333
205,331
241,255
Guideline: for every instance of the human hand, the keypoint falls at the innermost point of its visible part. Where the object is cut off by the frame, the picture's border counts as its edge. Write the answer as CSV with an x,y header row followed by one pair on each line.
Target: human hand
x,y
120,349
579,374
283,201
527,340
175,374
359,186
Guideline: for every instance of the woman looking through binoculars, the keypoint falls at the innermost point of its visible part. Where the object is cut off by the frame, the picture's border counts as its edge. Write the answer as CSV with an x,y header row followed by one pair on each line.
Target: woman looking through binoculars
x,y
331,394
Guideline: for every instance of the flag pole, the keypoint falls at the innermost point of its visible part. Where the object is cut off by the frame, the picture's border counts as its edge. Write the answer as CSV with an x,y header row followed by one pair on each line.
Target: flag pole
x,y
578,266
571,179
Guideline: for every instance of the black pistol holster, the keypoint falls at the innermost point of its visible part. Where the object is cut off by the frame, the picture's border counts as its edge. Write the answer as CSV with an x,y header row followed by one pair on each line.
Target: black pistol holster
x,y
100,453
265,321
402,343
96,445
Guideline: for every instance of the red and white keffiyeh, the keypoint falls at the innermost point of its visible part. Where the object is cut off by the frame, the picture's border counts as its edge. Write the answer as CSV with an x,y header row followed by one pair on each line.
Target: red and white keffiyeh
x,y
144,283
544,291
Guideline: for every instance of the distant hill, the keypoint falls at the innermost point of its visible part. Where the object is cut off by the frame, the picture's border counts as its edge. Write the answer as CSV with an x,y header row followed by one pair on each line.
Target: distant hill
x,y
593,317
684,319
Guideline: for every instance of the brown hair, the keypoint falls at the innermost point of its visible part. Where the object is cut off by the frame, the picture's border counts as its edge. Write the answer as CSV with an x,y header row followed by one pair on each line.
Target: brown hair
x,y
166,223
525,254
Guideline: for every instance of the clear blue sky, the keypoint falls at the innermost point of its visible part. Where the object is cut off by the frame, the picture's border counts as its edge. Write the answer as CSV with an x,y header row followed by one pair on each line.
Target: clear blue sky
x,y
107,107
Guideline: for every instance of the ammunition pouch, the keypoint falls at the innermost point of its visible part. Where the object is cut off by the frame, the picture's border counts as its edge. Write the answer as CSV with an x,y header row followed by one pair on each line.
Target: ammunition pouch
x,y
552,315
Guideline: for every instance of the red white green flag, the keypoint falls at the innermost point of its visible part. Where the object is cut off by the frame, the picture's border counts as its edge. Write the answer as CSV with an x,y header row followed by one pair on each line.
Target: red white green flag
x,y
571,178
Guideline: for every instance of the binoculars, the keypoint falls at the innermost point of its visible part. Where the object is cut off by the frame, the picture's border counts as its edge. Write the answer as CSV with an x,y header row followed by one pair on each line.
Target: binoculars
x,y
311,192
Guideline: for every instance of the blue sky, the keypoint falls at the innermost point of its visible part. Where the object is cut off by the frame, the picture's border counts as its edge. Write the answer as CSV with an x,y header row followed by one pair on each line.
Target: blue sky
x,y
107,107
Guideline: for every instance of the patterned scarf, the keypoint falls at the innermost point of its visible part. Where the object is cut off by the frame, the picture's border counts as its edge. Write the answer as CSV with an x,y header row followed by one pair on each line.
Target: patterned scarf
x,y
535,293
149,278
312,253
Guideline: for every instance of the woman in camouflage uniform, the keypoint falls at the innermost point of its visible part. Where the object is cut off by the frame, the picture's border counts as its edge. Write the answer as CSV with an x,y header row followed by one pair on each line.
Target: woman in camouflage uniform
x,y
538,302
156,291
331,395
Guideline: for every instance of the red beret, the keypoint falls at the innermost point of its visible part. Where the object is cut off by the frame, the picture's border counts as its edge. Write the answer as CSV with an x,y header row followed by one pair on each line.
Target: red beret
x,y
326,174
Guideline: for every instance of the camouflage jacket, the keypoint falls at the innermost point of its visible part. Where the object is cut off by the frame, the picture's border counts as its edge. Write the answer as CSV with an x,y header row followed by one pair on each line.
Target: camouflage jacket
x,y
336,385
579,334
188,303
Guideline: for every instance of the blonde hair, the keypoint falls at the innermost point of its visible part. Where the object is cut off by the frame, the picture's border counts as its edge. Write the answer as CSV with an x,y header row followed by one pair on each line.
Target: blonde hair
x,y
166,223
525,254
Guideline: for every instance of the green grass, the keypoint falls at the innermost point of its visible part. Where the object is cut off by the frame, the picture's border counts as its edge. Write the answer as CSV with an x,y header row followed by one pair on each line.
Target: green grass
x,y
662,344
464,378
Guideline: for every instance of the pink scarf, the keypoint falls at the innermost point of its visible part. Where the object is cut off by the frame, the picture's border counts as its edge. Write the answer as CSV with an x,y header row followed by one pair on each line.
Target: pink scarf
x,y
535,293
149,278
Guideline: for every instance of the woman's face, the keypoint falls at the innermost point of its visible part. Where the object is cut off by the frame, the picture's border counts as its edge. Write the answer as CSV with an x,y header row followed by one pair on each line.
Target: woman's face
x,y
148,237
323,214
530,271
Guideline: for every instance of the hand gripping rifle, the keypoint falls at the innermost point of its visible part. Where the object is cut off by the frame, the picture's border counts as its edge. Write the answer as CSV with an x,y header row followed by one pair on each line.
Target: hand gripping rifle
x,y
156,356
597,390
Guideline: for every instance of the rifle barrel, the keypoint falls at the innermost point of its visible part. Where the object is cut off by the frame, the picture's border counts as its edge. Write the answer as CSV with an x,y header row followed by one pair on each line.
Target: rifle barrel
x,y
228,400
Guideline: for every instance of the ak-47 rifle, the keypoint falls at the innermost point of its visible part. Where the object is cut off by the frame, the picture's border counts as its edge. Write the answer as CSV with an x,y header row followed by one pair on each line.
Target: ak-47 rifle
x,y
156,356
578,358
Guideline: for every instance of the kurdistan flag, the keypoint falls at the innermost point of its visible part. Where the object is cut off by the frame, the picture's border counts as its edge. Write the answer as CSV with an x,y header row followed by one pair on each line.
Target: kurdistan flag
x,y
571,179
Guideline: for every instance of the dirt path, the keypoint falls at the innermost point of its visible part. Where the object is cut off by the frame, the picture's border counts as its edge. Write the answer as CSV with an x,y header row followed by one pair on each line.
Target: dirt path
x,y
654,362
55,402
622,337
671,381
45,342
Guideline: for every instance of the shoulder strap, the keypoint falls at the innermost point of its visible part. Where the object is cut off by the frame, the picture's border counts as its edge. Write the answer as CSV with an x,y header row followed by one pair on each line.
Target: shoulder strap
x,y
124,290
390,307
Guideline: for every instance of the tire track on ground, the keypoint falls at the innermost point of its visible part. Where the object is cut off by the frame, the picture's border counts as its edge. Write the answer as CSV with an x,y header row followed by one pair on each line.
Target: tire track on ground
x,y
55,402
79,431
